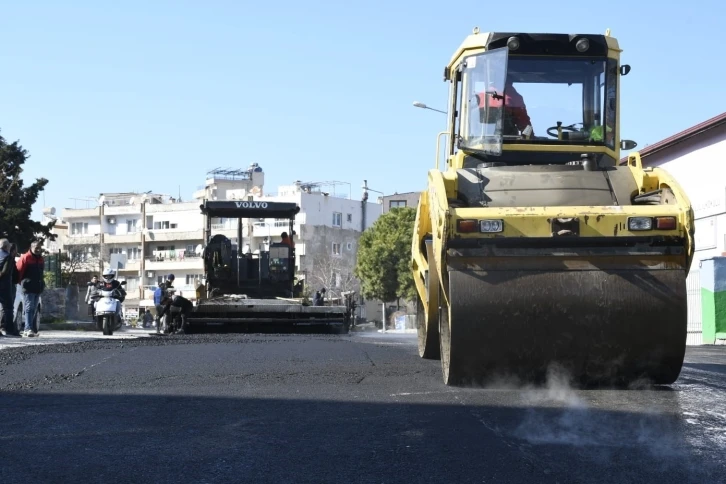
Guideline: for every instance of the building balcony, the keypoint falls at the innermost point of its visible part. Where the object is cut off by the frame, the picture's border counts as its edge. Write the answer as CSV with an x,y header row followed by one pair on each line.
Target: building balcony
x,y
131,266
271,230
134,237
72,213
172,207
83,239
173,235
165,263
121,209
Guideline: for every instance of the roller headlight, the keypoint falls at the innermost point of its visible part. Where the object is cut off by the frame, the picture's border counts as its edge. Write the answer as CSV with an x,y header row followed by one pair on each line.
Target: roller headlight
x,y
640,223
491,226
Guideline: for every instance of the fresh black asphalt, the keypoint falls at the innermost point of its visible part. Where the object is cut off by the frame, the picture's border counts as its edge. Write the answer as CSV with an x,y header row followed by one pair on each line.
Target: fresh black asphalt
x,y
350,408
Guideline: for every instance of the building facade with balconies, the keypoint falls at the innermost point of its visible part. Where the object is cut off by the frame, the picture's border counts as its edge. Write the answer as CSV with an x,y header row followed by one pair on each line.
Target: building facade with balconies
x,y
144,237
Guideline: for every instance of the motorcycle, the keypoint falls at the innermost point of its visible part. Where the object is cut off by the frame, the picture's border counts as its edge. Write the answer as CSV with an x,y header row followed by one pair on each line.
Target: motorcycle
x,y
104,308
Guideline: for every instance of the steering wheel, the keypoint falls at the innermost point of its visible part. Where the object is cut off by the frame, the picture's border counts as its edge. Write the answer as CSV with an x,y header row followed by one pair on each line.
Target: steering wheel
x,y
571,128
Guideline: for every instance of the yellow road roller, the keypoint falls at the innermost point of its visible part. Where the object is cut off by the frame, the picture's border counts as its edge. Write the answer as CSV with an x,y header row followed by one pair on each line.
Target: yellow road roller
x,y
535,248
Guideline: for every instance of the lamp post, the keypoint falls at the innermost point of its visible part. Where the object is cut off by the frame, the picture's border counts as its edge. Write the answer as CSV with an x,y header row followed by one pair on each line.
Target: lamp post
x,y
421,105
366,189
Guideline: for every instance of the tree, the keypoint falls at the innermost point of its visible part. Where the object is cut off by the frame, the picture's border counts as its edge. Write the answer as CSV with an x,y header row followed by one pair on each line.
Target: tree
x,y
73,264
16,202
384,256
333,274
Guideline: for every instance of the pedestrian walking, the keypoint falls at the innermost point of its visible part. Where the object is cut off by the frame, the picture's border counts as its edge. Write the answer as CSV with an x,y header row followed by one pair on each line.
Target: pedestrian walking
x,y
30,272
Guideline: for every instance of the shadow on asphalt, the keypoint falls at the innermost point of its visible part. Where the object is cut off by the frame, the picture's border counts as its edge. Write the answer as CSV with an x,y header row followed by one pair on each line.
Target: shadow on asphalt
x,y
147,438
267,329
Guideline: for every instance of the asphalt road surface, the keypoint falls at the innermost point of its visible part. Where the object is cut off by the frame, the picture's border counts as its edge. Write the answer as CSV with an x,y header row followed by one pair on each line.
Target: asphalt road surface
x,y
326,408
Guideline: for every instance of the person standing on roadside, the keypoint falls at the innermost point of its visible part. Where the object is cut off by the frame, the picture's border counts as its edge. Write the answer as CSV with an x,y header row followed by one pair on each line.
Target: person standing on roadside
x,y
7,270
16,276
30,272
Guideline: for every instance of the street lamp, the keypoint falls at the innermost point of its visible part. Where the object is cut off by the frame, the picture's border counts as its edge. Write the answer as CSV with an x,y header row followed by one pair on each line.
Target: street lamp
x,y
366,189
421,105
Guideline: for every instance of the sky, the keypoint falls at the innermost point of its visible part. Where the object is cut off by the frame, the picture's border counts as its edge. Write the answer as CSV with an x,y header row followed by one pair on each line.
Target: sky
x,y
138,95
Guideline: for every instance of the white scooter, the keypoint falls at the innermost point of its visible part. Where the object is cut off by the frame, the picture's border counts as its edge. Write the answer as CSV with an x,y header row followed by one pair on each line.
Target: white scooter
x,y
105,311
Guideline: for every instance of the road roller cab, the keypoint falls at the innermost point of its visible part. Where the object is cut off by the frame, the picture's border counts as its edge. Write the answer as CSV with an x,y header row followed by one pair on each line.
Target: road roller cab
x,y
533,246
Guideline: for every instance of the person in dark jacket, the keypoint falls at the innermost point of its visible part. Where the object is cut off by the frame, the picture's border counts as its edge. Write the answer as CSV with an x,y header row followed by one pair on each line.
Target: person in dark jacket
x,y
16,275
30,272
11,329
177,304
8,279
319,298
159,295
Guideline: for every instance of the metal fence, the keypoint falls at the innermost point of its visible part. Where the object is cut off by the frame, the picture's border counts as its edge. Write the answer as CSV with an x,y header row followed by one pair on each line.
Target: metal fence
x,y
53,269
695,326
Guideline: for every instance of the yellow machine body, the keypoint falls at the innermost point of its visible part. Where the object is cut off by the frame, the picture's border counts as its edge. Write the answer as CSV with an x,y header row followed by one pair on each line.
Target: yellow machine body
x,y
532,252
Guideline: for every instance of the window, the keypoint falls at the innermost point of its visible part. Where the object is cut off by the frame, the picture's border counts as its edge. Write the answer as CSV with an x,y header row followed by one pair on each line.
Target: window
x,y
114,250
521,100
163,252
134,253
397,204
161,225
349,217
132,285
131,226
79,228
337,219
193,279
349,246
336,248
173,226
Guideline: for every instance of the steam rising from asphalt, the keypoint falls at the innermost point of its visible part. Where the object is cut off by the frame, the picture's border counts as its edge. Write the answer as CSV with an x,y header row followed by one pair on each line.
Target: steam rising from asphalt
x,y
558,415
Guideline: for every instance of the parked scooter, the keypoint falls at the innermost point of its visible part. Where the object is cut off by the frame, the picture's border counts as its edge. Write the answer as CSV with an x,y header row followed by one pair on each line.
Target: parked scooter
x,y
103,309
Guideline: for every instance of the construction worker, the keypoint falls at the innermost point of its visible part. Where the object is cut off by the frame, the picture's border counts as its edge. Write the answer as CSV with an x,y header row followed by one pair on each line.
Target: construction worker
x,y
287,240
159,295
515,118
172,305
319,298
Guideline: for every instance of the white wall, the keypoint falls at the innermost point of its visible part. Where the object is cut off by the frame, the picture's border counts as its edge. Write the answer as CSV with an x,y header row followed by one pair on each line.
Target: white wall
x,y
186,220
319,210
121,225
125,249
700,167
94,227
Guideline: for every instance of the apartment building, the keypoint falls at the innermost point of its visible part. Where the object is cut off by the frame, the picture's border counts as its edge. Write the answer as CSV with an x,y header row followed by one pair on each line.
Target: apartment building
x,y
143,237
400,200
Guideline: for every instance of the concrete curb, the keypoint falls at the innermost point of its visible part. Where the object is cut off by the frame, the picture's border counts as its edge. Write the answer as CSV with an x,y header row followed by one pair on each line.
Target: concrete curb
x,y
68,326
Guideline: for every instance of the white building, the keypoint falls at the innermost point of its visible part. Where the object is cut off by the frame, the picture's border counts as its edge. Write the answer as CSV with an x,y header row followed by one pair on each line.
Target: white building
x,y
142,236
695,157
147,236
